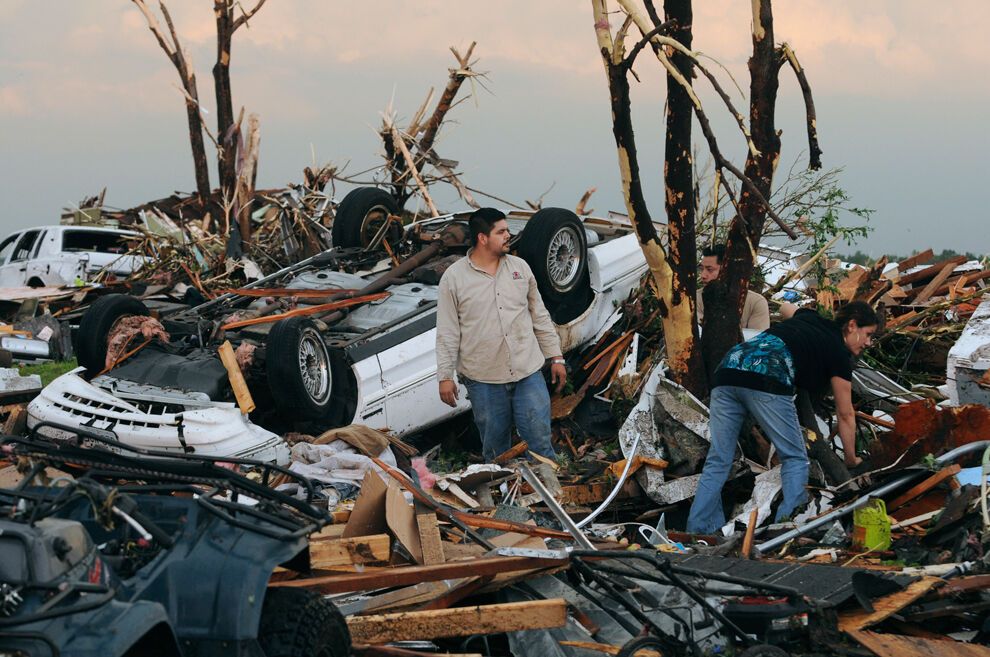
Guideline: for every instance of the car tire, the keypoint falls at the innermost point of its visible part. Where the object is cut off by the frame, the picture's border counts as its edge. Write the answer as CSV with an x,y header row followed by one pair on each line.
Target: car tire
x,y
299,369
96,324
361,214
555,247
301,623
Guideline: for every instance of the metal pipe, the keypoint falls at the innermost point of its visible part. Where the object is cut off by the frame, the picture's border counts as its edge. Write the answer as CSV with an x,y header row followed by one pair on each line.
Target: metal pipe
x,y
889,487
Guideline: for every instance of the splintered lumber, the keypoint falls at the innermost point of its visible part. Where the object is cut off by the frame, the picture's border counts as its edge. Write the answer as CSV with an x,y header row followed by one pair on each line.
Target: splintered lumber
x,y
893,645
429,538
747,544
934,284
925,486
513,452
887,606
409,575
327,553
916,259
241,393
462,621
928,272
585,494
305,312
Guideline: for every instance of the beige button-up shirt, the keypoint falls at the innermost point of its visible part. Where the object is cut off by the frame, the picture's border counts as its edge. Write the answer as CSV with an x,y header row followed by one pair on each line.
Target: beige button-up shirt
x,y
493,329
755,313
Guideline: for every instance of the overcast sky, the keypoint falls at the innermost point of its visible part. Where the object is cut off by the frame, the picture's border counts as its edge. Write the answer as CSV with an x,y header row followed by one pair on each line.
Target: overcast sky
x,y
87,100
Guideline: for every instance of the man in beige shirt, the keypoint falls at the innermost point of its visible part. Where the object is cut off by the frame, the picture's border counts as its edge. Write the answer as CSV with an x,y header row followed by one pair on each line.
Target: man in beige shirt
x,y
755,313
495,333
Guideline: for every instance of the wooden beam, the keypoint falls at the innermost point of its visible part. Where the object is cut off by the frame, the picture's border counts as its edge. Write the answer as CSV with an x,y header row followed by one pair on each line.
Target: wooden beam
x,y
513,452
747,544
925,486
429,538
462,621
892,645
887,606
241,393
330,552
929,272
408,575
916,259
934,284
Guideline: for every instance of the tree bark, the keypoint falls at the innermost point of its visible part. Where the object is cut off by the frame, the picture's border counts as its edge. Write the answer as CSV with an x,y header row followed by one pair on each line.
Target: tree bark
x,y
679,184
180,59
226,132
676,309
721,330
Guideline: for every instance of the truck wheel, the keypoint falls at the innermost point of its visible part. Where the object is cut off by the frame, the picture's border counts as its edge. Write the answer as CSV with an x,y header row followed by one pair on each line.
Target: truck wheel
x,y
298,365
556,249
91,340
361,215
300,623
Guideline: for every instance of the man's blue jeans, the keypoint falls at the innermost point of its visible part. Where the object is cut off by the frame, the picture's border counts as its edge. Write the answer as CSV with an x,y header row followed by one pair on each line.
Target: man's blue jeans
x,y
496,406
777,416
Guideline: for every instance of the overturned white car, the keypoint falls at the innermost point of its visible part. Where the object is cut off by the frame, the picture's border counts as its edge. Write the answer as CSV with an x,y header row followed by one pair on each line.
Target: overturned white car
x,y
358,346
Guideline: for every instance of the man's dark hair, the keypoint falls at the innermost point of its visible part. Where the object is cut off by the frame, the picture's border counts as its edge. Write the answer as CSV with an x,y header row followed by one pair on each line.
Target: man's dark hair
x,y
482,221
860,311
717,250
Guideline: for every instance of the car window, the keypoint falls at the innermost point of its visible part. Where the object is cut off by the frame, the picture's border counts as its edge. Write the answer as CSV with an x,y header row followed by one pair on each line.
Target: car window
x,y
38,243
24,245
93,241
7,247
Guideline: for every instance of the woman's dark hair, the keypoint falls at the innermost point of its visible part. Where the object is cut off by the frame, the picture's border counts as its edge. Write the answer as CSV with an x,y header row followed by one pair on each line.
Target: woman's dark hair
x,y
859,311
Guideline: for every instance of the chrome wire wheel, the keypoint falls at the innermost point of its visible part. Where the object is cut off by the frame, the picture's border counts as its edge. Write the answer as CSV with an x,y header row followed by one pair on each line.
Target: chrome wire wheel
x,y
374,226
564,258
314,366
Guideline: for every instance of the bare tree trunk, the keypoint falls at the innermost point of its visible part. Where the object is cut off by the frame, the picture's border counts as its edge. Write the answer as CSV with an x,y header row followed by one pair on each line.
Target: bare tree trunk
x,y
183,65
227,155
721,329
680,188
676,308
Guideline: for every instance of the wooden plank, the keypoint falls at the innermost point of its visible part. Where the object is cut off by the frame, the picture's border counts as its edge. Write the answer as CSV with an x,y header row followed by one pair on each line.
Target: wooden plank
x,y
747,544
407,575
893,645
929,289
928,272
429,538
925,486
513,452
966,280
887,606
964,585
584,494
916,259
462,621
328,553
241,393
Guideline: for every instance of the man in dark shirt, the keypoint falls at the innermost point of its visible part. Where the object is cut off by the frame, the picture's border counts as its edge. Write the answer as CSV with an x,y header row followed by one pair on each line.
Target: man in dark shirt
x,y
759,377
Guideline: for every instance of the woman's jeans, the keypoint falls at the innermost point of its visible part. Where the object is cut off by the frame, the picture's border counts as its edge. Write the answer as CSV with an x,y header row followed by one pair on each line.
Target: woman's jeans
x,y
777,416
496,406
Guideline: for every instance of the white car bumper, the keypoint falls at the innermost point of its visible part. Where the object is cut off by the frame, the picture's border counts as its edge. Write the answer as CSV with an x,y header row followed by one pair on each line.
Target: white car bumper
x,y
219,430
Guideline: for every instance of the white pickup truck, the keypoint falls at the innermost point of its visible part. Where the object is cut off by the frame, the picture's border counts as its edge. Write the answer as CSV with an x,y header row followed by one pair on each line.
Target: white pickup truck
x,y
52,256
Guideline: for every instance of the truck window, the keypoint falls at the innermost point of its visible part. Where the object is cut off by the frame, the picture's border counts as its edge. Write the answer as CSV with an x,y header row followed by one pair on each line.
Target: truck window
x,y
7,247
24,245
93,241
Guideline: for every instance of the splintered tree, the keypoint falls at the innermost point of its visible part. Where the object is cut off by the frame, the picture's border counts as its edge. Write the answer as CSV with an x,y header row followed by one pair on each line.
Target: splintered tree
x,y
724,299
236,168
673,269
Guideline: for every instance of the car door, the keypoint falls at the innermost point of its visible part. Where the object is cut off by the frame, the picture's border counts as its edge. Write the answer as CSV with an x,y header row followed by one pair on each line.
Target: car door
x,y
37,265
409,377
17,265
9,276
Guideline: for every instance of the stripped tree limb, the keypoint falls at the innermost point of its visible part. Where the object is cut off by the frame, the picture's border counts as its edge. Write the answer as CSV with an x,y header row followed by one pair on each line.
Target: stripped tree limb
x,y
400,145
814,150
183,65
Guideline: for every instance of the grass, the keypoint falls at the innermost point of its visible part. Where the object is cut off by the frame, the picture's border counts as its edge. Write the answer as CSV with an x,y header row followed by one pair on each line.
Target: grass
x,y
48,370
